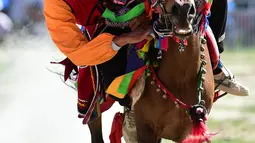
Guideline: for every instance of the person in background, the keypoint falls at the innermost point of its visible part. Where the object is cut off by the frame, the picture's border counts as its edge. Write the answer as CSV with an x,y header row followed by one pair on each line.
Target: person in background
x,y
231,29
18,11
6,23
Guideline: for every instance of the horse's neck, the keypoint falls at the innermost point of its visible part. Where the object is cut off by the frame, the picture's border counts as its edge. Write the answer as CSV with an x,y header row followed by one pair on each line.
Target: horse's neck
x,y
180,67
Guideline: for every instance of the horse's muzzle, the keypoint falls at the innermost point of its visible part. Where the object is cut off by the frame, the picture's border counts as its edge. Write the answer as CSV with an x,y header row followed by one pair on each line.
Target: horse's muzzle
x,y
182,18
186,10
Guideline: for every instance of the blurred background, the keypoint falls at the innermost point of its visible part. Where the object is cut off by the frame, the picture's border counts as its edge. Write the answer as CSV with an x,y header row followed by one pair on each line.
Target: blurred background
x,y
36,106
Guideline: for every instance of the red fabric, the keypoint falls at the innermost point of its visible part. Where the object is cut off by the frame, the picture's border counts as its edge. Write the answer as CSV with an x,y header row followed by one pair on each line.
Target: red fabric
x,y
116,131
86,12
69,67
136,75
207,8
178,40
107,104
213,47
164,43
85,87
205,13
147,6
91,30
141,44
216,96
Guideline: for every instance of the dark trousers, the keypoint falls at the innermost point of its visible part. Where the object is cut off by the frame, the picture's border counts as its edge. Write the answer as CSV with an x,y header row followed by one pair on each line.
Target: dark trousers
x,y
116,66
217,20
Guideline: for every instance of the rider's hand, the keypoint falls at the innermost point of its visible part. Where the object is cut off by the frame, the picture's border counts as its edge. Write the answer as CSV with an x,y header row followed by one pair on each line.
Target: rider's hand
x,y
133,37
138,35
139,21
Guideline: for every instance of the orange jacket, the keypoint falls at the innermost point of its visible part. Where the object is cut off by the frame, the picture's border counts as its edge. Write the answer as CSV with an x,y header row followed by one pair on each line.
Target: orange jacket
x,y
69,39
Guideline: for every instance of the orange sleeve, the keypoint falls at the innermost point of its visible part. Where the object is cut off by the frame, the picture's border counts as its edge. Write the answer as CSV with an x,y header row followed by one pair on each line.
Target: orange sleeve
x,y
69,39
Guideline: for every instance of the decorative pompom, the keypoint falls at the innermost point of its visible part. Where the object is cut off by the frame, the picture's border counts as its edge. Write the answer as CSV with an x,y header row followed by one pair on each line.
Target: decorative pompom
x,y
199,134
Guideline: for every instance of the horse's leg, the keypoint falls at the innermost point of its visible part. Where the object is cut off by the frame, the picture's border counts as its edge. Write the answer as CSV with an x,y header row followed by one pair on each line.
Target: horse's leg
x,y
95,128
145,133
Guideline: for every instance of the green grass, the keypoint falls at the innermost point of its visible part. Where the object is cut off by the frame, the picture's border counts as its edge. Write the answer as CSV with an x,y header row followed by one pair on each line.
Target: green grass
x,y
245,109
231,141
230,131
250,109
245,56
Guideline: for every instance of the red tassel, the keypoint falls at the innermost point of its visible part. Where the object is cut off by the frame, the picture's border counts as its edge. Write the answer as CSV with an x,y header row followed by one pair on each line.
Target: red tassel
x,y
147,6
107,104
207,8
199,134
69,67
116,132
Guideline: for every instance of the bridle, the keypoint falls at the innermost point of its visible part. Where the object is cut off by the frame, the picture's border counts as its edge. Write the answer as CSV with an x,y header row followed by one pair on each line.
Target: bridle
x,y
164,26
197,112
164,19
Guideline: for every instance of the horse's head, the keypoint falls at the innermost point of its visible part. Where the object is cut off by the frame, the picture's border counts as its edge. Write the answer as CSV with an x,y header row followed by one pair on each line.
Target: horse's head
x,y
175,16
182,14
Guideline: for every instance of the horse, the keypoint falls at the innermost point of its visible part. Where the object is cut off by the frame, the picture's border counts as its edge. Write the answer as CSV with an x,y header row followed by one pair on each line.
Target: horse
x,y
179,95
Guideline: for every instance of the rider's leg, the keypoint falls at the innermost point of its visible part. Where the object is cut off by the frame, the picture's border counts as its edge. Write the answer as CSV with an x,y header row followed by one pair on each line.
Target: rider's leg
x,y
222,75
112,69
116,66
217,21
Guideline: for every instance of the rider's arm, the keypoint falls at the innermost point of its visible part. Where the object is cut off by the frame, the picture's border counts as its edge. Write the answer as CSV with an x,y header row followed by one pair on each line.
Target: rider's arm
x,y
69,39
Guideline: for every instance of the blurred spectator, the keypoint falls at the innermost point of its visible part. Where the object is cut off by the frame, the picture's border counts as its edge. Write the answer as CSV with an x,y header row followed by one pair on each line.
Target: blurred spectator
x,y
5,22
231,34
36,25
20,11
4,6
5,25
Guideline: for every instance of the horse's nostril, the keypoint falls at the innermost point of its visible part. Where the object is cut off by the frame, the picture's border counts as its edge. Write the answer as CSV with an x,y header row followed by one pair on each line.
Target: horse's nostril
x,y
192,11
175,10
186,9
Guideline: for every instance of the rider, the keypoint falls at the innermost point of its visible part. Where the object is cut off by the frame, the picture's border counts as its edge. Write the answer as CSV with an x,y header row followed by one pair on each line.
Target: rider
x,y
109,49
222,76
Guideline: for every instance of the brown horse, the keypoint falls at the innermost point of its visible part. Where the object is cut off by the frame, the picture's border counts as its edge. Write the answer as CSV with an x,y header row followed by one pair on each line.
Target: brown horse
x,y
158,116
